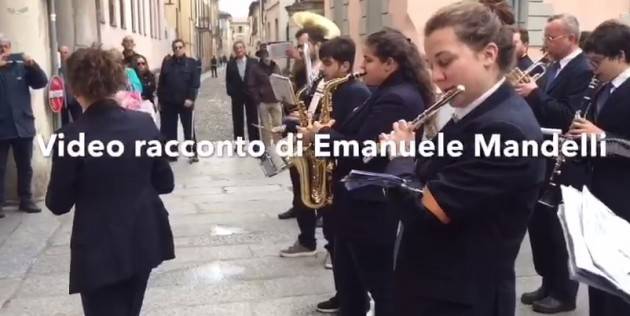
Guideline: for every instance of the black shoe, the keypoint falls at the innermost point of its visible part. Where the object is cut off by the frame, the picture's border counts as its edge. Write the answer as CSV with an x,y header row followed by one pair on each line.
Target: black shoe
x,y
290,213
193,159
28,206
1,212
550,305
329,306
530,297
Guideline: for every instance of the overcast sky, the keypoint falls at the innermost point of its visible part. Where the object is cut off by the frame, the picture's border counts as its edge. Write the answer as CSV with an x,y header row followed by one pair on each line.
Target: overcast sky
x,y
237,8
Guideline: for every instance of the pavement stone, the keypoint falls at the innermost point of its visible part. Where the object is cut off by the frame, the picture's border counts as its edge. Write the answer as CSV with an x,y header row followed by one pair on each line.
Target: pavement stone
x,y
223,214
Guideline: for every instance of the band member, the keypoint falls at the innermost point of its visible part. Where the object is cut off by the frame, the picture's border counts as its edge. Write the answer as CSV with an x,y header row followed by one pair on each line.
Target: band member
x,y
366,231
337,57
521,43
554,103
243,106
121,229
462,234
312,37
608,48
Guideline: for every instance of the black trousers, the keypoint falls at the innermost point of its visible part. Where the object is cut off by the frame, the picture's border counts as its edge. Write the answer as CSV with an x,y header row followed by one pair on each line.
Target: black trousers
x,y
168,125
364,267
550,254
214,72
22,154
121,299
603,304
306,217
241,106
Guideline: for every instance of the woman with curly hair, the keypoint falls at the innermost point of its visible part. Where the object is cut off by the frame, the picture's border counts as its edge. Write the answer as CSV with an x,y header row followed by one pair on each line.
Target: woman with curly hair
x,y
121,229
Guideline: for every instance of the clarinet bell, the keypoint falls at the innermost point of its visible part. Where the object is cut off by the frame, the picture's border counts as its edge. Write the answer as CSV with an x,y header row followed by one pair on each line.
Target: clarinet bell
x,y
550,198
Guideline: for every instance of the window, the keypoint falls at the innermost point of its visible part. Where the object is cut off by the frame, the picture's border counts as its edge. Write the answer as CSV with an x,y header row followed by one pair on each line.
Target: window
x,y
277,35
112,13
240,29
159,19
121,6
133,16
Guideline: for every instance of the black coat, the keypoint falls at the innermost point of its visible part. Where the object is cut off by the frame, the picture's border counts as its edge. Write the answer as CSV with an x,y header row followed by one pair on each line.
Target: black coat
x,y
362,214
179,80
556,108
610,176
258,83
16,112
148,86
524,62
237,87
469,261
121,226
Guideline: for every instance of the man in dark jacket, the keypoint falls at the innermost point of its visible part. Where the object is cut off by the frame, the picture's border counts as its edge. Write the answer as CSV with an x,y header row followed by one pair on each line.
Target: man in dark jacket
x,y
18,73
262,94
236,74
129,54
521,41
177,90
554,103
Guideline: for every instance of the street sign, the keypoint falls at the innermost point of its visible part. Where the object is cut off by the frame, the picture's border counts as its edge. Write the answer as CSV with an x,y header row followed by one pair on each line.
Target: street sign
x,y
56,94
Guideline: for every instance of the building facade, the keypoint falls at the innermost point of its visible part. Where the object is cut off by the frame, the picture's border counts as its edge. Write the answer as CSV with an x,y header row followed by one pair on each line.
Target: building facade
x,y
240,32
225,39
358,18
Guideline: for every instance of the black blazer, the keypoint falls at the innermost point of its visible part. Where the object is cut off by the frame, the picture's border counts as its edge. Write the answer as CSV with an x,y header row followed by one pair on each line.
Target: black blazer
x,y
121,227
237,87
610,175
524,62
362,214
471,260
556,109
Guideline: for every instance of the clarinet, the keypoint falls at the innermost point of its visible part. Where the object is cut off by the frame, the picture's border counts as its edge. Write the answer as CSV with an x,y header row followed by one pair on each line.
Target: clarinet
x,y
551,197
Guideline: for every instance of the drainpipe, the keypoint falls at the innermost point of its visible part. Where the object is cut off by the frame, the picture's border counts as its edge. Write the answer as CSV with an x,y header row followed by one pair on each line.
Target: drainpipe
x,y
52,25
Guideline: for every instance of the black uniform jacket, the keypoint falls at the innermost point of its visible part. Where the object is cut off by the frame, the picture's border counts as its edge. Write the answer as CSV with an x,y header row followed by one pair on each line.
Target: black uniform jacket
x,y
362,214
610,175
488,199
121,226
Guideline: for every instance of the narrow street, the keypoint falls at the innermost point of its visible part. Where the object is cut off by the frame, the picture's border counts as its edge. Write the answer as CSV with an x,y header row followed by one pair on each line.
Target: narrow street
x,y
223,214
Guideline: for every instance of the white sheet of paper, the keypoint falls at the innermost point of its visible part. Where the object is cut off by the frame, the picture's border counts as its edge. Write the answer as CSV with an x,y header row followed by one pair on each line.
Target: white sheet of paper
x,y
282,88
278,50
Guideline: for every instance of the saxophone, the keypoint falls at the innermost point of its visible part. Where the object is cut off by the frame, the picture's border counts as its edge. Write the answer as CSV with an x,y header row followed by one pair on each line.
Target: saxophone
x,y
316,173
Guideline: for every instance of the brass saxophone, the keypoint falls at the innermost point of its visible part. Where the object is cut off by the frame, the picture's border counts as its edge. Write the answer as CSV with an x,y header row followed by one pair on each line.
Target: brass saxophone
x,y
316,173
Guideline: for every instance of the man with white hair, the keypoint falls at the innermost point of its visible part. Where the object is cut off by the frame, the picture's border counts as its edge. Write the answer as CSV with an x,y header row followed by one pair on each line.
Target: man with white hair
x,y
18,73
554,100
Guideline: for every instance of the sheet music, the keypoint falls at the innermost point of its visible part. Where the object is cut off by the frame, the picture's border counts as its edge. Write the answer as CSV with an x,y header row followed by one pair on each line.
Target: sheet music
x,y
599,254
317,96
282,88
278,50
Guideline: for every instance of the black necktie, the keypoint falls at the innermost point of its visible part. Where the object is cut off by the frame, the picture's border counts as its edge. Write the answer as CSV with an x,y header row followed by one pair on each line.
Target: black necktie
x,y
602,98
552,73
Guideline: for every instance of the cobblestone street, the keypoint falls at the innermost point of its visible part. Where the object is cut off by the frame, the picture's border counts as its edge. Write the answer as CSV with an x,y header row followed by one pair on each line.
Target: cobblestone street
x,y
223,214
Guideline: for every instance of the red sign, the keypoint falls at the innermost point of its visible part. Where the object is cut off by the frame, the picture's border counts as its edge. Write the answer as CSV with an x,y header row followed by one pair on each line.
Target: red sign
x,y
56,94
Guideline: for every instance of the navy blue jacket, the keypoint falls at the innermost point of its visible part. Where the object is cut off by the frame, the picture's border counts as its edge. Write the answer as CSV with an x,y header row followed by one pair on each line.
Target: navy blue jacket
x,y
488,199
121,226
179,80
610,175
556,108
16,113
362,214
524,62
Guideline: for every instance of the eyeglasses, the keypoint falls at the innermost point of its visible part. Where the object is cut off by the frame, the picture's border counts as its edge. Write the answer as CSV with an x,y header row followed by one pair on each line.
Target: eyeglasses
x,y
550,38
141,63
